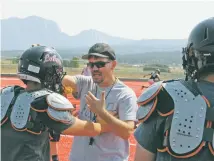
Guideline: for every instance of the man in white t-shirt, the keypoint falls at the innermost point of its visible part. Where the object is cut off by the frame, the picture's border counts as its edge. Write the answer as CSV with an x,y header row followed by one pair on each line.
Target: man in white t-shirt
x,y
119,99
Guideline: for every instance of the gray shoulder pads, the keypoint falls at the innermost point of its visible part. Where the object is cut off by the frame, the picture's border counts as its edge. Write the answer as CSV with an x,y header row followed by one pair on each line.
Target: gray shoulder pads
x,y
150,93
58,102
55,111
7,95
145,111
188,120
147,101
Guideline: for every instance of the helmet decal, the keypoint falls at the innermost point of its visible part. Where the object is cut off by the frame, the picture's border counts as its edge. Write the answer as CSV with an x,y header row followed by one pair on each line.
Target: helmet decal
x,y
52,58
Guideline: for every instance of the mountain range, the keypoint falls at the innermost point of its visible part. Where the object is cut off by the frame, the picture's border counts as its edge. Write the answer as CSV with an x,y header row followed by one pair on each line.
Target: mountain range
x,y
20,33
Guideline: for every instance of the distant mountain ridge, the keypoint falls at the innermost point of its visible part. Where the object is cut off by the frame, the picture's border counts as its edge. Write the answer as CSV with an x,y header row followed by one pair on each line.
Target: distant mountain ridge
x,y
19,34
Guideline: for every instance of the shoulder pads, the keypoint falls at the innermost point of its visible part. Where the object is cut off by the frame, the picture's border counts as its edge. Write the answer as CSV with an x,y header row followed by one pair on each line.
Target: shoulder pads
x,y
7,95
150,93
155,98
55,111
58,102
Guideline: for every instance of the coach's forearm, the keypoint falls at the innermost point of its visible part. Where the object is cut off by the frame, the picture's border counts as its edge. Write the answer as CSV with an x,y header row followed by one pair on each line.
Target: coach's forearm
x,y
120,128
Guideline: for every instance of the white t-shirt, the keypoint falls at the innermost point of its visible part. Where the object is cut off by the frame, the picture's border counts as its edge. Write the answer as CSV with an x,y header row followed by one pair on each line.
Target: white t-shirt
x,y
107,146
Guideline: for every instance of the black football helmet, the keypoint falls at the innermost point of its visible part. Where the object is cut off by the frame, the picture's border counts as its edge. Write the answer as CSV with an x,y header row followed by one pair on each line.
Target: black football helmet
x,y
198,56
43,65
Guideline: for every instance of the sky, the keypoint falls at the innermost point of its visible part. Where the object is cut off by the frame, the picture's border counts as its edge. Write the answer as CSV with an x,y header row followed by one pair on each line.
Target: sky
x,y
127,19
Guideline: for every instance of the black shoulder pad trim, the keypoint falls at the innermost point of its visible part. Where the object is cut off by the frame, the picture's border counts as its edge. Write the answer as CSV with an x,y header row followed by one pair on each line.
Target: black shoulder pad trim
x,y
39,104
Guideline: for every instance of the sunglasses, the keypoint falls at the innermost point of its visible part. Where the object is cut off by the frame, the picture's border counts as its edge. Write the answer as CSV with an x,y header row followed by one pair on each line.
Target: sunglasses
x,y
99,64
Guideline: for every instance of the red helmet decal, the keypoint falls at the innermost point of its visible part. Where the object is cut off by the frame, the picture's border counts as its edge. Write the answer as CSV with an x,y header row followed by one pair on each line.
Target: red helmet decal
x,y
52,58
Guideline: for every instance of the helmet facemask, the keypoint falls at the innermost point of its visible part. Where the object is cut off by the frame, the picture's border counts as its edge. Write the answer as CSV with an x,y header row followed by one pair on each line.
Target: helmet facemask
x,y
197,63
53,79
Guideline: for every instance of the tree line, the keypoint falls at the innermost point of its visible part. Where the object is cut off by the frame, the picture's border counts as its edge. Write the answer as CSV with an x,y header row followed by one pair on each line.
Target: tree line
x,y
75,62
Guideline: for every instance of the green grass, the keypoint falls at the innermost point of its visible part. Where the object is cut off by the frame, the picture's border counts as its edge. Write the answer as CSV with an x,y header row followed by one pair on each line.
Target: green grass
x,y
120,71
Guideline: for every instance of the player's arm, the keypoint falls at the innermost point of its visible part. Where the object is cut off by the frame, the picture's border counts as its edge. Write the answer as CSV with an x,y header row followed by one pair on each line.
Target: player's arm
x,y
55,111
141,154
86,128
158,77
147,139
146,75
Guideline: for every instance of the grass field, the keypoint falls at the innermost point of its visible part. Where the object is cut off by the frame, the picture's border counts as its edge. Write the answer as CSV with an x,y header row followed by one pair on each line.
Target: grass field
x,y
121,71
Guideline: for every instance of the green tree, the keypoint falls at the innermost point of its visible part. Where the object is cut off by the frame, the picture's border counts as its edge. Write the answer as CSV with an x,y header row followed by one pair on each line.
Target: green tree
x,y
75,62
15,60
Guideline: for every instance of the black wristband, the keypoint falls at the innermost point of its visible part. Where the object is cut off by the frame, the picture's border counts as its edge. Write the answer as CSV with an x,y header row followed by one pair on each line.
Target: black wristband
x,y
55,158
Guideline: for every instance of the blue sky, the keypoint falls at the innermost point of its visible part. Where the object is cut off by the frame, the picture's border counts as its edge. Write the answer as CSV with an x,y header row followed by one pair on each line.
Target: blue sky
x,y
128,19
